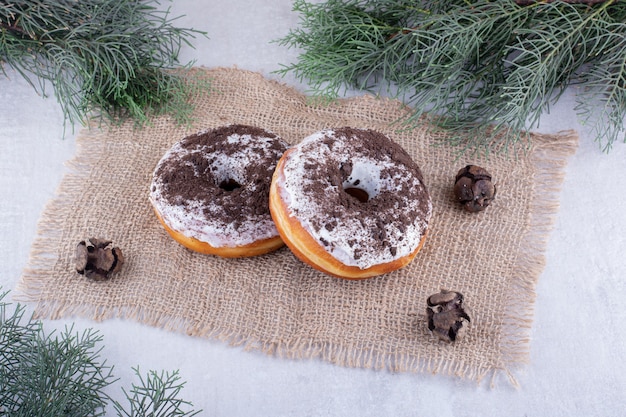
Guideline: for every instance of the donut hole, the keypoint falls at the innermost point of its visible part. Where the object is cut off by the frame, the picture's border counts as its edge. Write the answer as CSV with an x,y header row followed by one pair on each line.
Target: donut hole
x,y
363,181
358,193
229,184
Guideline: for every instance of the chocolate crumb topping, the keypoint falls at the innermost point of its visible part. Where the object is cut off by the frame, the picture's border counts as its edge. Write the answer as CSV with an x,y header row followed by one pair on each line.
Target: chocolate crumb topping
x,y
221,177
361,193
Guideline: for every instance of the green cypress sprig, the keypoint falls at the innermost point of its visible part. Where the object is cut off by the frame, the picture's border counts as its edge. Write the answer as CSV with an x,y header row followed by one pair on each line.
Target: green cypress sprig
x,y
487,69
64,374
110,58
157,395
49,375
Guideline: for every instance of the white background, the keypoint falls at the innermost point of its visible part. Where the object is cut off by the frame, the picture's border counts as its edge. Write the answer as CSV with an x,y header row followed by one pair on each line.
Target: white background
x,y
576,365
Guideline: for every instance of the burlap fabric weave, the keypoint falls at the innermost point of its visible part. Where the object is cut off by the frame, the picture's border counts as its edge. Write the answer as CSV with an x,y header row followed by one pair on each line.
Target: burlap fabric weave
x,y
276,303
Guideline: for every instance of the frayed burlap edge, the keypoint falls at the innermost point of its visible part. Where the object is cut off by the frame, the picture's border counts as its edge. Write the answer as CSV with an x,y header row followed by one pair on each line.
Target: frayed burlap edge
x,y
550,160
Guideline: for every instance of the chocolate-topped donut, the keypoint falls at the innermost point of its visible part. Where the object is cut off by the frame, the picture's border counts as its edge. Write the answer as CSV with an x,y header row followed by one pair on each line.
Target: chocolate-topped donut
x,y
350,202
210,191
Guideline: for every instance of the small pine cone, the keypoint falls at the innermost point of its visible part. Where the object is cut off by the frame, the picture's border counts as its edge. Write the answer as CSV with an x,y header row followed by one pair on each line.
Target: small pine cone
x,y
446,314
97,258
473,188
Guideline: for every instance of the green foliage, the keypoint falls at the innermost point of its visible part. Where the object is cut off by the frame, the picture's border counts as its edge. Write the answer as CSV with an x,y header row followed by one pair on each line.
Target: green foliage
x,y
478,66
64,375
156,396
115,58
49,375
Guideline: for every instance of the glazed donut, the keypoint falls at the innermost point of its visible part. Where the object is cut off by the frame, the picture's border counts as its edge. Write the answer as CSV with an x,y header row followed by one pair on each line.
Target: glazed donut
x,y
350,203
210,191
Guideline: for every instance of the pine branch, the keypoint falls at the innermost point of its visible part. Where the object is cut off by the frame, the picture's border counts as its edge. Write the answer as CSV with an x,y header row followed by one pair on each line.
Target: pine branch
x,y
64,374
527,2
157,395
487,69
604,99
113,58
49,375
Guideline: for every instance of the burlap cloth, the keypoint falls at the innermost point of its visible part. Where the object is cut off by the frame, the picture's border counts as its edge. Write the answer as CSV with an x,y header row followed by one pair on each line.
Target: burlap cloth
x,y
274,302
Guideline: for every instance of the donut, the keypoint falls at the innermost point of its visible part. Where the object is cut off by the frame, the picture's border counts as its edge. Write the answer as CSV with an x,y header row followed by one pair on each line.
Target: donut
x,y
350,203
210,191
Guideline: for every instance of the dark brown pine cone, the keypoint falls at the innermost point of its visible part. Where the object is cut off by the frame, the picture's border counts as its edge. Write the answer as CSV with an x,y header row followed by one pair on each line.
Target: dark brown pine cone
x,y
446,314
473,188
96,258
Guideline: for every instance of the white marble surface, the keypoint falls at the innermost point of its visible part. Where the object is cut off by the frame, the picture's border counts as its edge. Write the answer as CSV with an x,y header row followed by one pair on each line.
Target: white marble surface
x,y
576,365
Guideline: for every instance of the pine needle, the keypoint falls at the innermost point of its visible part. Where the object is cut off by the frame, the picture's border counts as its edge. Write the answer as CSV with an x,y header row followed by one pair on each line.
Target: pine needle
x,y
486,69
157,395
108,58
49,375
64,375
